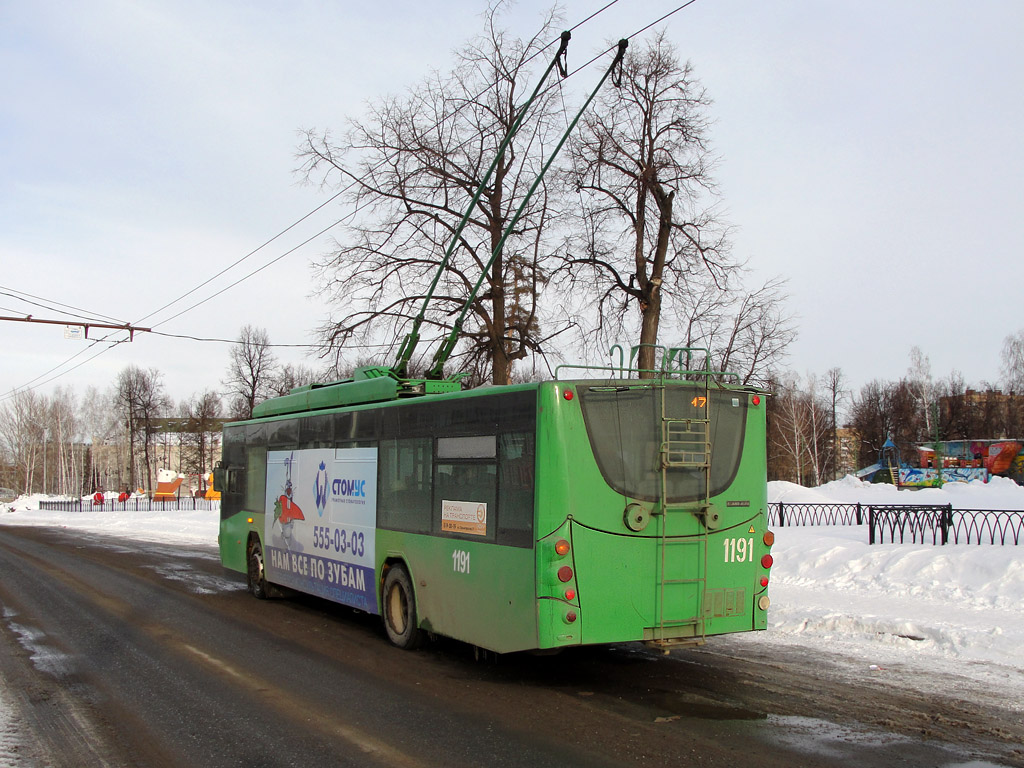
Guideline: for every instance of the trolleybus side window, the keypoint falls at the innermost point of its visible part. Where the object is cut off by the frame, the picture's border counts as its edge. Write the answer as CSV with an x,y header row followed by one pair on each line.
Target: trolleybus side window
x,y
256,464
233,461
356,428
404,487
282,435
516,459
466,487
317,431
483,465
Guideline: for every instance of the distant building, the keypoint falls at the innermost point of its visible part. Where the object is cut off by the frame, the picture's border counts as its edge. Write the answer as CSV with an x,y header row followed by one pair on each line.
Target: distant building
x,y
847,451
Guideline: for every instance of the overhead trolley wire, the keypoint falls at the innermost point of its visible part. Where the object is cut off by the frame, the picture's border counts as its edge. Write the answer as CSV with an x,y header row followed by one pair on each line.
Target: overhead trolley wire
x,y
54,306
346,188
315,210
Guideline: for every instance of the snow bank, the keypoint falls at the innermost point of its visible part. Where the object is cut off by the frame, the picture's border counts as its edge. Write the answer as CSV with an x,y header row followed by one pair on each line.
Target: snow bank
x,y
957,610
171,526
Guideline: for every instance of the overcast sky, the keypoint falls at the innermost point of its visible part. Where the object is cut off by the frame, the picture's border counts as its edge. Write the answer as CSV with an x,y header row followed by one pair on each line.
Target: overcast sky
x,y
871,153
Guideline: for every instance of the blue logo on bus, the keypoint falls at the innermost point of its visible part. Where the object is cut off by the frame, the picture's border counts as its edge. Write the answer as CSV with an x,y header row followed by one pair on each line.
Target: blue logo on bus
x,y
320,489
349,487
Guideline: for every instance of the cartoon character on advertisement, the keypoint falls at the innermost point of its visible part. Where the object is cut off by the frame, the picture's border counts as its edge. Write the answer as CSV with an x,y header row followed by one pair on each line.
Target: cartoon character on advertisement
x,y
286,511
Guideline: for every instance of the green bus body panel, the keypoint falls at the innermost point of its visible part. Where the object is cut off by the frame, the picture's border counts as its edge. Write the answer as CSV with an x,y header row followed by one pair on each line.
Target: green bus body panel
x,y
659,583
491,605
340,394
233,538
624,592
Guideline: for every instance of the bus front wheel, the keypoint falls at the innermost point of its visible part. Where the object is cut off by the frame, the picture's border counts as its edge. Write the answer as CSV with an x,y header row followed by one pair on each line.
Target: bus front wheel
x,y
400,609
256,575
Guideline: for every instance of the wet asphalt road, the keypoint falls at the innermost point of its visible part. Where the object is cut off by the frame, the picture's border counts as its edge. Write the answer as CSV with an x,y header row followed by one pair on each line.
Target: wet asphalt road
x,y
131,654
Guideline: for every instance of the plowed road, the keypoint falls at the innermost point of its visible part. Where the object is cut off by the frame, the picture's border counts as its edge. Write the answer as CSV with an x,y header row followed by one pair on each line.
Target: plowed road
x,y
132,654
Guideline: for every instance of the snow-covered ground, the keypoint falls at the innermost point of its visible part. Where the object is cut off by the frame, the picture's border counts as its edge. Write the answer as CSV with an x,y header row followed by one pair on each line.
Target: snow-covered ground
x,y
953,613
945,617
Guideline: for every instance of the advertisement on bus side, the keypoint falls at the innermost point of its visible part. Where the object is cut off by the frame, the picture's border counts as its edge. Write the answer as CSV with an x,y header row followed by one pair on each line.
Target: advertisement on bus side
x,y
321,516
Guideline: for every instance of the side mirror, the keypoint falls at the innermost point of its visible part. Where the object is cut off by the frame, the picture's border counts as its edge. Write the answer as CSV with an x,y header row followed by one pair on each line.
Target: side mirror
x,y
219,478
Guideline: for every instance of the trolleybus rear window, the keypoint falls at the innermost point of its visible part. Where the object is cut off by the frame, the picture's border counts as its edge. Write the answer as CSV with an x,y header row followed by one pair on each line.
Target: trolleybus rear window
x,y
624,424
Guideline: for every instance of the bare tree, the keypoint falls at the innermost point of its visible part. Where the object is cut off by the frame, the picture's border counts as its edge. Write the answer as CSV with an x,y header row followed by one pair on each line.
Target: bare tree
x,y
1013,362
23,432
252,367
919,379
140,400
756,332
643,170
63,425
200,436
416,161
886,410
799,432
290,376
835,389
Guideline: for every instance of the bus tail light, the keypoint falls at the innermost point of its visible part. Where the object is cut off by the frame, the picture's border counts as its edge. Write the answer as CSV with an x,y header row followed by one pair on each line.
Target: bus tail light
x,y
570,617
764,581
565,573
570,594
769,538
766,561
562,547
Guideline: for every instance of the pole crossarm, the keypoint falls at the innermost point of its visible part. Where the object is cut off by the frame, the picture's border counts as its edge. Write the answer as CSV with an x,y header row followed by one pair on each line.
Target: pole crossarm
x,y
132,329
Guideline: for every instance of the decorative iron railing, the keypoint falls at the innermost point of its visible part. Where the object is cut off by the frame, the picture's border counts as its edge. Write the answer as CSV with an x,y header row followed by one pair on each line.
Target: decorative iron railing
x,y
784,513
944,525
908,523
185,503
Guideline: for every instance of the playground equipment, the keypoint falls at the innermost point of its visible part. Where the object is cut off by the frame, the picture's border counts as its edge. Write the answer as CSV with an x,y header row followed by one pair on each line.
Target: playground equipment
x,y
167,483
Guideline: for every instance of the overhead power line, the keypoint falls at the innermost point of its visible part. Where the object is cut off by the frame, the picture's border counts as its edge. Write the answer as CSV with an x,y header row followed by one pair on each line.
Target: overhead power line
x,y
291,226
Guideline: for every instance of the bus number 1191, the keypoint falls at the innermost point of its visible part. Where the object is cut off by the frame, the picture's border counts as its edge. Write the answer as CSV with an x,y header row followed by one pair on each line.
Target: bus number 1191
x,y
460,561
739,550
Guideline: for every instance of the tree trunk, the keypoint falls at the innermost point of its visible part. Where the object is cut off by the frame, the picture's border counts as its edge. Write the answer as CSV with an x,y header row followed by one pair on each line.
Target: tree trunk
x,y
650,303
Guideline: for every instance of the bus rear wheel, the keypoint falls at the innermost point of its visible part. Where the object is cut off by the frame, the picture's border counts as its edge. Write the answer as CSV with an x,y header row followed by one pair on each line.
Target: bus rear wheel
x,y
256,574
400,609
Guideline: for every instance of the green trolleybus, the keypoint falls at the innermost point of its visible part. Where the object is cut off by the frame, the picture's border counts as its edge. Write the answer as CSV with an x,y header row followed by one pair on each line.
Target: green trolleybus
x,y
529,516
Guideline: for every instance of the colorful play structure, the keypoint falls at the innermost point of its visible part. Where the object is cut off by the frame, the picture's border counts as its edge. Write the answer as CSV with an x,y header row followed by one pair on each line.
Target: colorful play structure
x,y
167,484
170,485
961,461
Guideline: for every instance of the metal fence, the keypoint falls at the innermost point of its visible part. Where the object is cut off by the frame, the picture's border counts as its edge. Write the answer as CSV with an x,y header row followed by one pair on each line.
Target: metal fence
x,y
944,525
781,513
909,523
184,504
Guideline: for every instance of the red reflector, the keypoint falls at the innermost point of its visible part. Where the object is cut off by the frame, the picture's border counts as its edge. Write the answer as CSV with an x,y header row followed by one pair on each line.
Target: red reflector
x,y
565,573
570,594
764,581
756,399
568,394
570,616
562,547
767,561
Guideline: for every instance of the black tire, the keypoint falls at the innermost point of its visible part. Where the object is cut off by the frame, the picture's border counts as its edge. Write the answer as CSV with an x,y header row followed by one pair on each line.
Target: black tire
x,y
399,609
256,574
